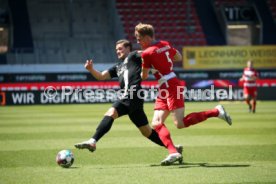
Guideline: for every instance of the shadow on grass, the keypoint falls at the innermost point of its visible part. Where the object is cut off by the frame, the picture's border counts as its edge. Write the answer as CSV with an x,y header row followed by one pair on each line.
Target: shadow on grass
x,y
174,166
207,165
73,167
213,165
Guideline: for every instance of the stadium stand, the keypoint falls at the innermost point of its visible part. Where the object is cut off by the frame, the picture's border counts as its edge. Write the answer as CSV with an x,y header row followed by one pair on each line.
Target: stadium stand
x,y
264,10
4,22
175,21
69,33
230,2
272,5
268,24
21,26
209,22
54,35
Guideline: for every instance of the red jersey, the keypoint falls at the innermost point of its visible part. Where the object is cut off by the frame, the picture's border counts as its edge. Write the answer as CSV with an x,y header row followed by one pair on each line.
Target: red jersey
x,y
248,74
160,57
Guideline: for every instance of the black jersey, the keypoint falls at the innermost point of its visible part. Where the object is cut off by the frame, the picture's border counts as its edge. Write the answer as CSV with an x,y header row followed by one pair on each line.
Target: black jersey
x,y
128,72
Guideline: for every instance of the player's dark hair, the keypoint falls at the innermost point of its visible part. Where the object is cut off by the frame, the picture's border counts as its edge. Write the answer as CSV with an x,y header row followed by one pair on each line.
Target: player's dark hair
x,y
125,43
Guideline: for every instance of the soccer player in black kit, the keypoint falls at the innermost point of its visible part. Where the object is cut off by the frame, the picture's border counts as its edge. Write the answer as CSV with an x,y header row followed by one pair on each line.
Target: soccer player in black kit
x,y
128,72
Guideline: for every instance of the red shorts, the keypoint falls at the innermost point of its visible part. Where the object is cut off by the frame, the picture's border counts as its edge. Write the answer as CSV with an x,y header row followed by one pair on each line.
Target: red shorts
x,y
170,98
251,91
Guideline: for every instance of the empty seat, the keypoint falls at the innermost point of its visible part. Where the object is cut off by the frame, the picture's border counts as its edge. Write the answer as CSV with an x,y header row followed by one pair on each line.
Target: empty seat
x,y
169,17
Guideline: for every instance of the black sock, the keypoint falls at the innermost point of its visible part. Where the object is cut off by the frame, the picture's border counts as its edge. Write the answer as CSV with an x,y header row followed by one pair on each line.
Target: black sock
x,y
103,127
155,138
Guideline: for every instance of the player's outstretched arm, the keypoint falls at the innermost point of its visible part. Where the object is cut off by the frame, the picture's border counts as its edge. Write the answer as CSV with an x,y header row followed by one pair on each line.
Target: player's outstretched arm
x,y
95,73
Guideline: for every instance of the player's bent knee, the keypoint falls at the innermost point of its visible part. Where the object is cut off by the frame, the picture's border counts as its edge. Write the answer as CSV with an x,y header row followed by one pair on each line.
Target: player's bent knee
x,y
246,97
112,112
154,124
146,133
145,130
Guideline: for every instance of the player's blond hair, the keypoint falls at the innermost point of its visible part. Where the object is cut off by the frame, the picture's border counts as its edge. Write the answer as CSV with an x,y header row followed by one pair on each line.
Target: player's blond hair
x,y
145,29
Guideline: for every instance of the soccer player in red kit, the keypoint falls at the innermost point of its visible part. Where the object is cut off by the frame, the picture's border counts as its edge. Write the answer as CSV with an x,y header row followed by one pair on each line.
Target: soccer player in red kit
x,y
249,78
160,55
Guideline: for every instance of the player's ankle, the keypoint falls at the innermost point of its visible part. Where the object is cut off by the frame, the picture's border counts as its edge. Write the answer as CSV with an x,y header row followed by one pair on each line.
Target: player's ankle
x,y
92,141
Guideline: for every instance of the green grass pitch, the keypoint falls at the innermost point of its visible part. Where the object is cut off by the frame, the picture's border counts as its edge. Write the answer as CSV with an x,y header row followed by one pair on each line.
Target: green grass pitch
x,y
31,136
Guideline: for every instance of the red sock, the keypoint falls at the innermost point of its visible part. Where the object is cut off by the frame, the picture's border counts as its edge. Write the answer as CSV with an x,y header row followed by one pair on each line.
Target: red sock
x,y
212,113
165,137
197,117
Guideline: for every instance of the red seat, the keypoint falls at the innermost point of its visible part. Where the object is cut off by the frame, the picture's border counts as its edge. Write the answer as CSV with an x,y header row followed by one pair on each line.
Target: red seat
x,y
169,17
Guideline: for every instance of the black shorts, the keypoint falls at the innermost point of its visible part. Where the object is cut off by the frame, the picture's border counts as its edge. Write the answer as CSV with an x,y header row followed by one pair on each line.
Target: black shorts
x,y
134,108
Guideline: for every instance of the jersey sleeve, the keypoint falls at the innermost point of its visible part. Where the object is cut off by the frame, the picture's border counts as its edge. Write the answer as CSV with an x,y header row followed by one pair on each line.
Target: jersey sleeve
x,y
173,50
145,60
138,57
113,72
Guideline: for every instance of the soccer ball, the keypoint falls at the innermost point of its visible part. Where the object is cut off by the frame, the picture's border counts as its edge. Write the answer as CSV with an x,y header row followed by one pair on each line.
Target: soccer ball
x,y
65,158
